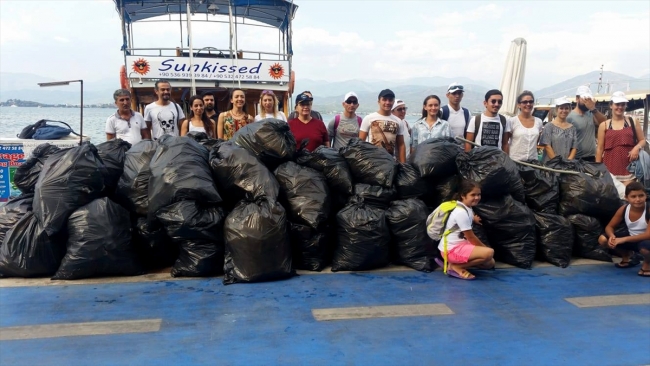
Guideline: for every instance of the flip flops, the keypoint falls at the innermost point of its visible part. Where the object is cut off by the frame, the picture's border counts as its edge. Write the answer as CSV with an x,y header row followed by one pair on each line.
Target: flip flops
x,y
644,272
440,262
632,262
452,273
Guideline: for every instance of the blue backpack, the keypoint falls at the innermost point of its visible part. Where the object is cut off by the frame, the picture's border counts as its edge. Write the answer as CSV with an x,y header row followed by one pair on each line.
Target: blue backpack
x,y
42,131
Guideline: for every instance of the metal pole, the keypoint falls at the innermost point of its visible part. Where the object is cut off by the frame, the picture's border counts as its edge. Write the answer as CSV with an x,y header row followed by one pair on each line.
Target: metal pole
x,y
189,35
81,116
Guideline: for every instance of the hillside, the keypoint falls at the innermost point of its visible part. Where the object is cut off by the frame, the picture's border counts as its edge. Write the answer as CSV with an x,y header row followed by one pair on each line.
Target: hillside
x,y
615,80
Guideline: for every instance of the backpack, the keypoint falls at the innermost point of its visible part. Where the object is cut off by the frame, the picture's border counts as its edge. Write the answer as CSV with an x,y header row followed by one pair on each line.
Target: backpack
x,y
445,115
477,123
436,223
42,131
337,120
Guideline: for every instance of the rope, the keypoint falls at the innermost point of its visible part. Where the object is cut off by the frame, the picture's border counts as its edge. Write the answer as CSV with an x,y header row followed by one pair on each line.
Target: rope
x,y
526,164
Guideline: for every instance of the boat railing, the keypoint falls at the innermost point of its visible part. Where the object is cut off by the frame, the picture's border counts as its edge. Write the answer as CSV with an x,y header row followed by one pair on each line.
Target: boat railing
x,y
210,52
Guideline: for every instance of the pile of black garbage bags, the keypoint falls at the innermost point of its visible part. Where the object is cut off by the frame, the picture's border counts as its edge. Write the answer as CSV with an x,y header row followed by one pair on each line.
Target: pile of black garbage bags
x,y
256,208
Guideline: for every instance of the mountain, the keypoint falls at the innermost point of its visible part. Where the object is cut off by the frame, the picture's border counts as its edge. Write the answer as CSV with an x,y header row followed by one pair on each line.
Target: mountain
x,y
611,82
25,87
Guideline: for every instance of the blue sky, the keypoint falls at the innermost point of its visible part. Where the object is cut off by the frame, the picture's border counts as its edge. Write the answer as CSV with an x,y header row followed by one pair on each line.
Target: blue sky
x,y
339,40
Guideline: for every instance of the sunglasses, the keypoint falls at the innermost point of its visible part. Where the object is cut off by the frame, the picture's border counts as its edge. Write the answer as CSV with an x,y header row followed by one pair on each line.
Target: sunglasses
x,y
531,102
496,101
352,101
305,104
456,88
401,109
267,92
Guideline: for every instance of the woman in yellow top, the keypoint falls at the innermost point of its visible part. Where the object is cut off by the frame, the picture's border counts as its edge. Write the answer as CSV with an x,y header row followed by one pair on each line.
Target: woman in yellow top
x,y
235,118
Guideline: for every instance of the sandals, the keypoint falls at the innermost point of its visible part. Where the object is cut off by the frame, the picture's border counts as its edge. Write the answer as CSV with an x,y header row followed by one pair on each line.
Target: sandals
x,y
466,275
632,262
644,272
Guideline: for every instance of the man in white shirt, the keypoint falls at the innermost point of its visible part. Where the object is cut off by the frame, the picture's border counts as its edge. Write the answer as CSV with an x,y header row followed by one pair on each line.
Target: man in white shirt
x,y
490,128
399,111
457,116
383,129
126,124
163,116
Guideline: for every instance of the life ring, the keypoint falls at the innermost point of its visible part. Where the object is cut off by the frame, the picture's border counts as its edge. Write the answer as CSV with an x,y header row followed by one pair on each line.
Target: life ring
x,y
292,81
124,82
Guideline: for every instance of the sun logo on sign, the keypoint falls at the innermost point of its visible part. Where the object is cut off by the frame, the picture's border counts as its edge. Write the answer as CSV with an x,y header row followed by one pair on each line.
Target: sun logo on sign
x,y
276,71
141,66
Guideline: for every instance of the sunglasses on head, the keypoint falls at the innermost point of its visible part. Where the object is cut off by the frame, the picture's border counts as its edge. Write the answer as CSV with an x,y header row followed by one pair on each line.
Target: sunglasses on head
x,y
527,102
352,101
457,88
496,101
267,92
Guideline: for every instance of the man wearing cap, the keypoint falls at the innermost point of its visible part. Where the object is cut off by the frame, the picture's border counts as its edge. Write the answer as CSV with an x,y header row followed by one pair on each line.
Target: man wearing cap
x,y
399,111
586,118
457,116
345,126
383,129
314,114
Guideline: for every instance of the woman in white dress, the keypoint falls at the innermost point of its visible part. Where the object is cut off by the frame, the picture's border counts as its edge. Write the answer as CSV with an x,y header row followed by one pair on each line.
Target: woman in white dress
x,y
198,121
525,129
269,107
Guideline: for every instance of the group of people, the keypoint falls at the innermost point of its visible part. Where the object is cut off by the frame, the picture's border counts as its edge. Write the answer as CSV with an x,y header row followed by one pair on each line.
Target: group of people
x,y
579,133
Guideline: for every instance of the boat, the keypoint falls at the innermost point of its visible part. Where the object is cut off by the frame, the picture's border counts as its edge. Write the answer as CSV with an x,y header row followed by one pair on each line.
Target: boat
x,y
196,69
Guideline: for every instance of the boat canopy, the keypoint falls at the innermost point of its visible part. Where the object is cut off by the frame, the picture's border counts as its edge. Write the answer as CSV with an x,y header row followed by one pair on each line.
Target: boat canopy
x,y
276,13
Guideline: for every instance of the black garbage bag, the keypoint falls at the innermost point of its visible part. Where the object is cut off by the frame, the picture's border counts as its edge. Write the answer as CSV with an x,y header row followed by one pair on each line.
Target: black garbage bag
x,y
28,251
407,224
133,186
408,182
70,178
436,158
363,238
587,230
13,211
447,188
370,164
332,164
203,139
180,171
257,243
27,173
270,140
591,192
239,174
510,227
306,194
198,231
555,238
542,188
375,196
493,169
99,243
311,248
481,234
113,153
153,246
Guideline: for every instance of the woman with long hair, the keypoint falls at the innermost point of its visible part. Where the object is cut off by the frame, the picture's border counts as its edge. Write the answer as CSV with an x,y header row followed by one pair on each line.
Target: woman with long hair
x,y
198,121
525,128
269,107
618,140
431,125
559,137
235,117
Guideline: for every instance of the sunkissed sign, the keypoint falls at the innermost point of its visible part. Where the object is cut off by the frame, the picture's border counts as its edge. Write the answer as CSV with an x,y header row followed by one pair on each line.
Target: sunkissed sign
x,y
207,69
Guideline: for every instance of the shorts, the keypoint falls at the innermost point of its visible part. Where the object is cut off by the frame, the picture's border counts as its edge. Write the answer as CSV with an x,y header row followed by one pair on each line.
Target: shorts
x,y
461,252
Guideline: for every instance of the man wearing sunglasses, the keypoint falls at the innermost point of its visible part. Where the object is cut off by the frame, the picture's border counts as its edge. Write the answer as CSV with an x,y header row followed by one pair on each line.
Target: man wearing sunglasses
x,y
399,111
383,129
457,116
490,128
314,114
345,126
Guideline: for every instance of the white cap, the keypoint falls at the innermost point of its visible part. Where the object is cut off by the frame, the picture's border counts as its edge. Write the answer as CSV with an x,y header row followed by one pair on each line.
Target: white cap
x,y
454,87
561,101
350,94
398,102
584,92
618,97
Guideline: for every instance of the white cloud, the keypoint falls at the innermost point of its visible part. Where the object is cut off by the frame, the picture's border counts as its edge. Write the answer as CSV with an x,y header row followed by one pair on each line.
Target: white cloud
x,y
61,39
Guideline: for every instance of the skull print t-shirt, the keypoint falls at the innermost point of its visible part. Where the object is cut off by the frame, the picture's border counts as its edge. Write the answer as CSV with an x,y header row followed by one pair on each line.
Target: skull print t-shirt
x,y
164,119
382,130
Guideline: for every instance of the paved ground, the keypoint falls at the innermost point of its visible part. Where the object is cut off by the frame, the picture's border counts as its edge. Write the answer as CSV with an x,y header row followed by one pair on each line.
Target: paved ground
x,y
506,317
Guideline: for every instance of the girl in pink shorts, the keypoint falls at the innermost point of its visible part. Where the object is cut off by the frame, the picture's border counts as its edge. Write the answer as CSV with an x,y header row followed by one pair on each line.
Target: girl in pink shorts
x,y
464,249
